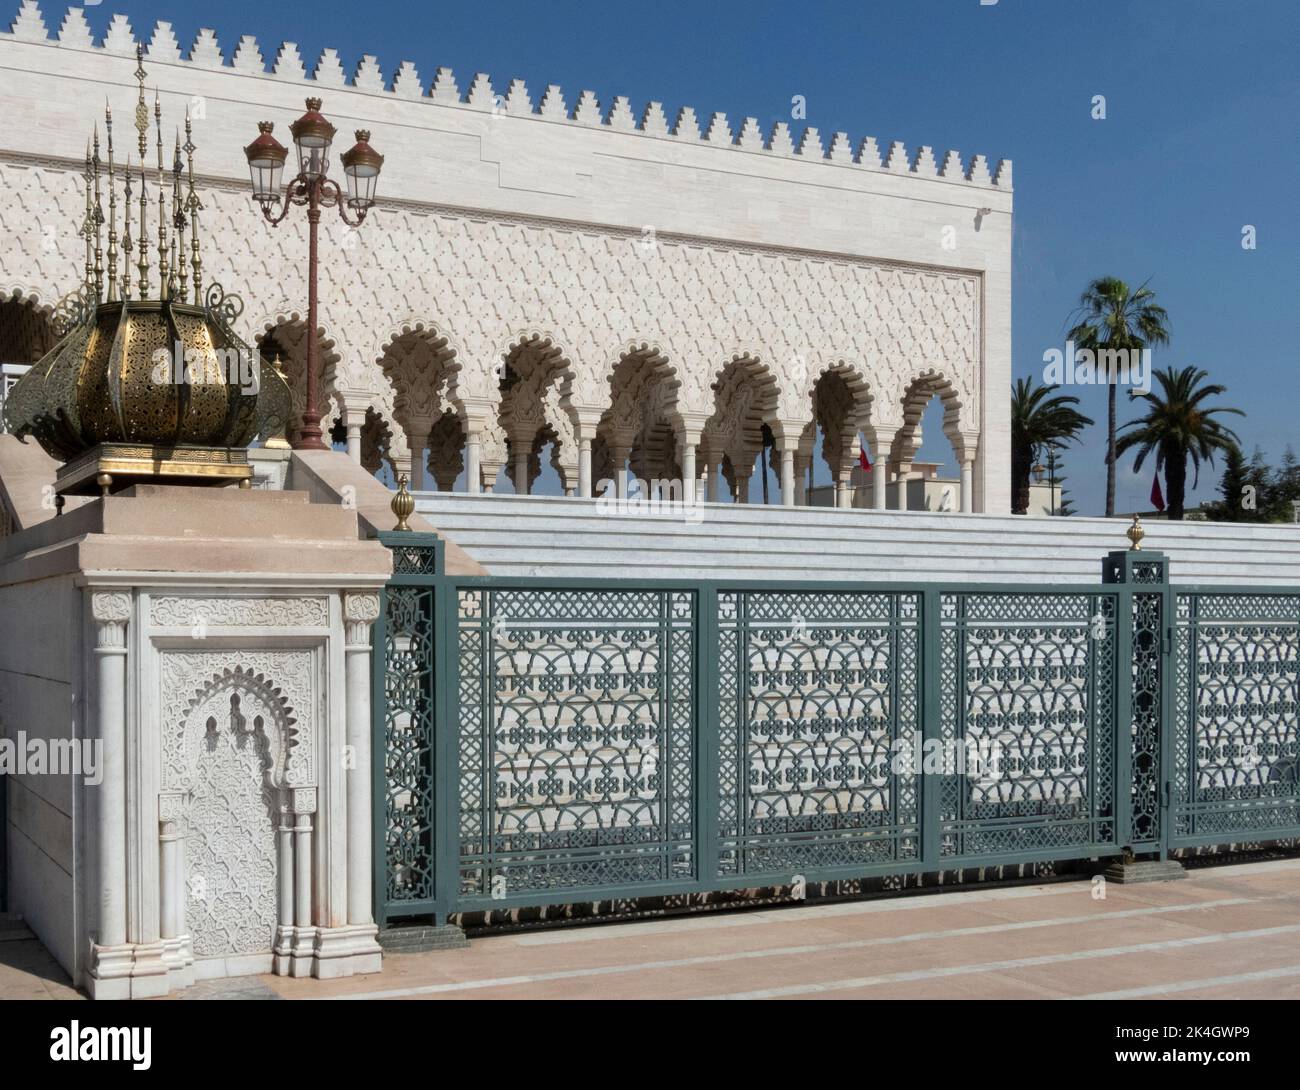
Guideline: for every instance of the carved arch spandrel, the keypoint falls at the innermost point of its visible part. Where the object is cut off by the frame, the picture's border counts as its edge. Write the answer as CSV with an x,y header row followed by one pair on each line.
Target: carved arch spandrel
x,y
281,682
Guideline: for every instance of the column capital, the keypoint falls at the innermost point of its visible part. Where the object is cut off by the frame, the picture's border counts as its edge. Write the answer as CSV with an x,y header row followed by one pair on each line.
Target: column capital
x,y
360,611
111,610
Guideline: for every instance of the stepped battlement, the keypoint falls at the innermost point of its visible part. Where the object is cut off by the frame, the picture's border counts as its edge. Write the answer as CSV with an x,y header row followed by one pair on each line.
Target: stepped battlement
x,y
162,46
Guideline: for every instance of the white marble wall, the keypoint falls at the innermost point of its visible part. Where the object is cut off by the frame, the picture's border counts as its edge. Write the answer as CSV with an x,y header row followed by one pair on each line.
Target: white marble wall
x,y
509,218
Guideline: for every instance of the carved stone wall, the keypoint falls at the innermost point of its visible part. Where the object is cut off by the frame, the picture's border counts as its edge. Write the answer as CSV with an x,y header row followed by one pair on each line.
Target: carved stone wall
x,y
584,233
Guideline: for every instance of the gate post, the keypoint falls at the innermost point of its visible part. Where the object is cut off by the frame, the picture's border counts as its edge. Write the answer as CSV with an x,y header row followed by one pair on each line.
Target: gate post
x,y
1144,615
413,747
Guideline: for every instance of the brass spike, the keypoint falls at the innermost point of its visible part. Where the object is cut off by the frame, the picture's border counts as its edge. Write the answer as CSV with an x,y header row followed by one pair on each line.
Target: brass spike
x,y
178,220
99,223
164,267
127,245
141,110
112,207
143,264
88,223
193,206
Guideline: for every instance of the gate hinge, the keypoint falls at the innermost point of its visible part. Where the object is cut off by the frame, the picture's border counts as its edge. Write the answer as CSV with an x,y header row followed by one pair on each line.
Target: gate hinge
x,y
1169,639
1168,788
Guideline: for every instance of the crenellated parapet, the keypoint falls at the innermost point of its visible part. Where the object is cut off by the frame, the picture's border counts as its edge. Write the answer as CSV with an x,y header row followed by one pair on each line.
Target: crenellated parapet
x,y
514,99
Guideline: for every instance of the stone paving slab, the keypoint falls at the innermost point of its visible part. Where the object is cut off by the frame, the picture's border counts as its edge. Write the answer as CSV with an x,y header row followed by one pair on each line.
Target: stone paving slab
x,y
1225,932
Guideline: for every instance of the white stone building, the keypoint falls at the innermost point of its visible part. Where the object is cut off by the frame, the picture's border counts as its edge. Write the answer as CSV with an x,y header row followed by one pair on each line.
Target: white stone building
x,y
547,273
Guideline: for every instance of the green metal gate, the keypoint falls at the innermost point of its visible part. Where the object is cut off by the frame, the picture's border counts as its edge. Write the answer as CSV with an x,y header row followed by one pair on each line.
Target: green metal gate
x,y
543,741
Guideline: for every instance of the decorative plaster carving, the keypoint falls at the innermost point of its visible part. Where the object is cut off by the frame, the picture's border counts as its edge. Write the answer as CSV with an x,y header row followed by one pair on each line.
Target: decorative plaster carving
x,y
222,612
194,683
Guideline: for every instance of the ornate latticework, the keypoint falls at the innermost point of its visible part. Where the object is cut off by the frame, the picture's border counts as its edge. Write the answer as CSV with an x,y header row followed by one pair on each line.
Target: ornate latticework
x,y
576,739
1027,683
1147,704
1236,715
819,692
610,739
408,733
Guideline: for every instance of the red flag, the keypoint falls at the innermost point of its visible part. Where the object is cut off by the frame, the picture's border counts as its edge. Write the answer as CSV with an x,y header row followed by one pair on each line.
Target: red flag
x,y
1157,496
863,460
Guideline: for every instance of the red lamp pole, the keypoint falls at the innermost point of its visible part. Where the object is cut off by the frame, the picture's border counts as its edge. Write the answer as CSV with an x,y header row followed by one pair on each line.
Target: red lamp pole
x,y
311,188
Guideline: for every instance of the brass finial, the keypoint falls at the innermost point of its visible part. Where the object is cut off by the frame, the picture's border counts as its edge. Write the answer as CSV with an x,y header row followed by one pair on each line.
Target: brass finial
x,y
179,223
193,206
128,244
99,221
164,269
313,104
1136,534
112,207
143,264
141,110
403,504
88,224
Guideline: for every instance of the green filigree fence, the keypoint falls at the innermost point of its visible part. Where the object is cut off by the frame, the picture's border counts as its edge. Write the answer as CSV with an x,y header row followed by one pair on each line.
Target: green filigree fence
x,y
542,741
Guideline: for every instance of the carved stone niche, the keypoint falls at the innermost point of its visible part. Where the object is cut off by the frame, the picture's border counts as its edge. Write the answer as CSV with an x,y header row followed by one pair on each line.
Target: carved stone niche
x,y
245,851
238,777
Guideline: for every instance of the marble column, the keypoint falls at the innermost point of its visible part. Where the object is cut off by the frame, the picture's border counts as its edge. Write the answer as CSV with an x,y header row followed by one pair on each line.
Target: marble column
x,y
584,468
360,611
521,472
419,439
354,442
688,473
111,611
788,495
302,904
170,879
968,484
473,472
714,470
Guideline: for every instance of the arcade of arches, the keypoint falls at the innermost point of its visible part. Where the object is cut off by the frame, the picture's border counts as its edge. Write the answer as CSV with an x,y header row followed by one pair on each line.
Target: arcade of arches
x,y
445,441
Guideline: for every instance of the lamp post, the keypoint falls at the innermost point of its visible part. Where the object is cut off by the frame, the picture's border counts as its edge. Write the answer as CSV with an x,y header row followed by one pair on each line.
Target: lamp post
x,y
313,189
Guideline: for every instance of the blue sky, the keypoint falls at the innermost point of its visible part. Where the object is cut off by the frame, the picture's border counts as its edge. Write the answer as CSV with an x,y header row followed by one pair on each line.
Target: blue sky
x,y
1200,137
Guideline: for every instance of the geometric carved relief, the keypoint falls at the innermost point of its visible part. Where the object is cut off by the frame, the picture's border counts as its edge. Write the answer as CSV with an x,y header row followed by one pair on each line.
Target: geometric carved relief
x,y
230,853
195,683
479,279
237,741
220,612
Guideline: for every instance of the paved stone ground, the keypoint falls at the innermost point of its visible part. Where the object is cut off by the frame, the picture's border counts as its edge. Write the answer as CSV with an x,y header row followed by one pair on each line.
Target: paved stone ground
x,y
1223,932
26,969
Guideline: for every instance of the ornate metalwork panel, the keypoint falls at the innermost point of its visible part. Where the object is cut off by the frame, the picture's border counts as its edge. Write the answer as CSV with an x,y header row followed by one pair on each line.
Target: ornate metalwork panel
x,y
408,737
1147,705
576,728
818,714
1236,716
1027,722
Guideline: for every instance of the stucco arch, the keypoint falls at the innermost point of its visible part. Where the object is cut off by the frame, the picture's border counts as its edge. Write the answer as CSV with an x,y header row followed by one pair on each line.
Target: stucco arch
x,y
282,336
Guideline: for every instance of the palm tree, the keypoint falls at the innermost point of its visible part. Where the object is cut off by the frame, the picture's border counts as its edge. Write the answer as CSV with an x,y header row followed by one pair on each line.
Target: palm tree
x,y
1039,416
1114,316
1178,426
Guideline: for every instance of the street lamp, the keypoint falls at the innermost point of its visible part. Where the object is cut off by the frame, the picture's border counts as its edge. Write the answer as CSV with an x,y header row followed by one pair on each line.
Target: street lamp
x,y
312,137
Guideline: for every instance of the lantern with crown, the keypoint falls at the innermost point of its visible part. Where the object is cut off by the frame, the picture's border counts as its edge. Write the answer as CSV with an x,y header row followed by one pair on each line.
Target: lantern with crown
x,y
147,381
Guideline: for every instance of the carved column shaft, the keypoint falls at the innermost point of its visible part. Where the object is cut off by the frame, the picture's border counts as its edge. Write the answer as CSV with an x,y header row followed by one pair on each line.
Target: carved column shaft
x,y
111,612
360,612
302,871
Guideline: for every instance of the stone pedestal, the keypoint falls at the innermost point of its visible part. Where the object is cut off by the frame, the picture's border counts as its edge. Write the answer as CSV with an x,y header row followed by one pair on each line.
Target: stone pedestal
x,y
217,646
